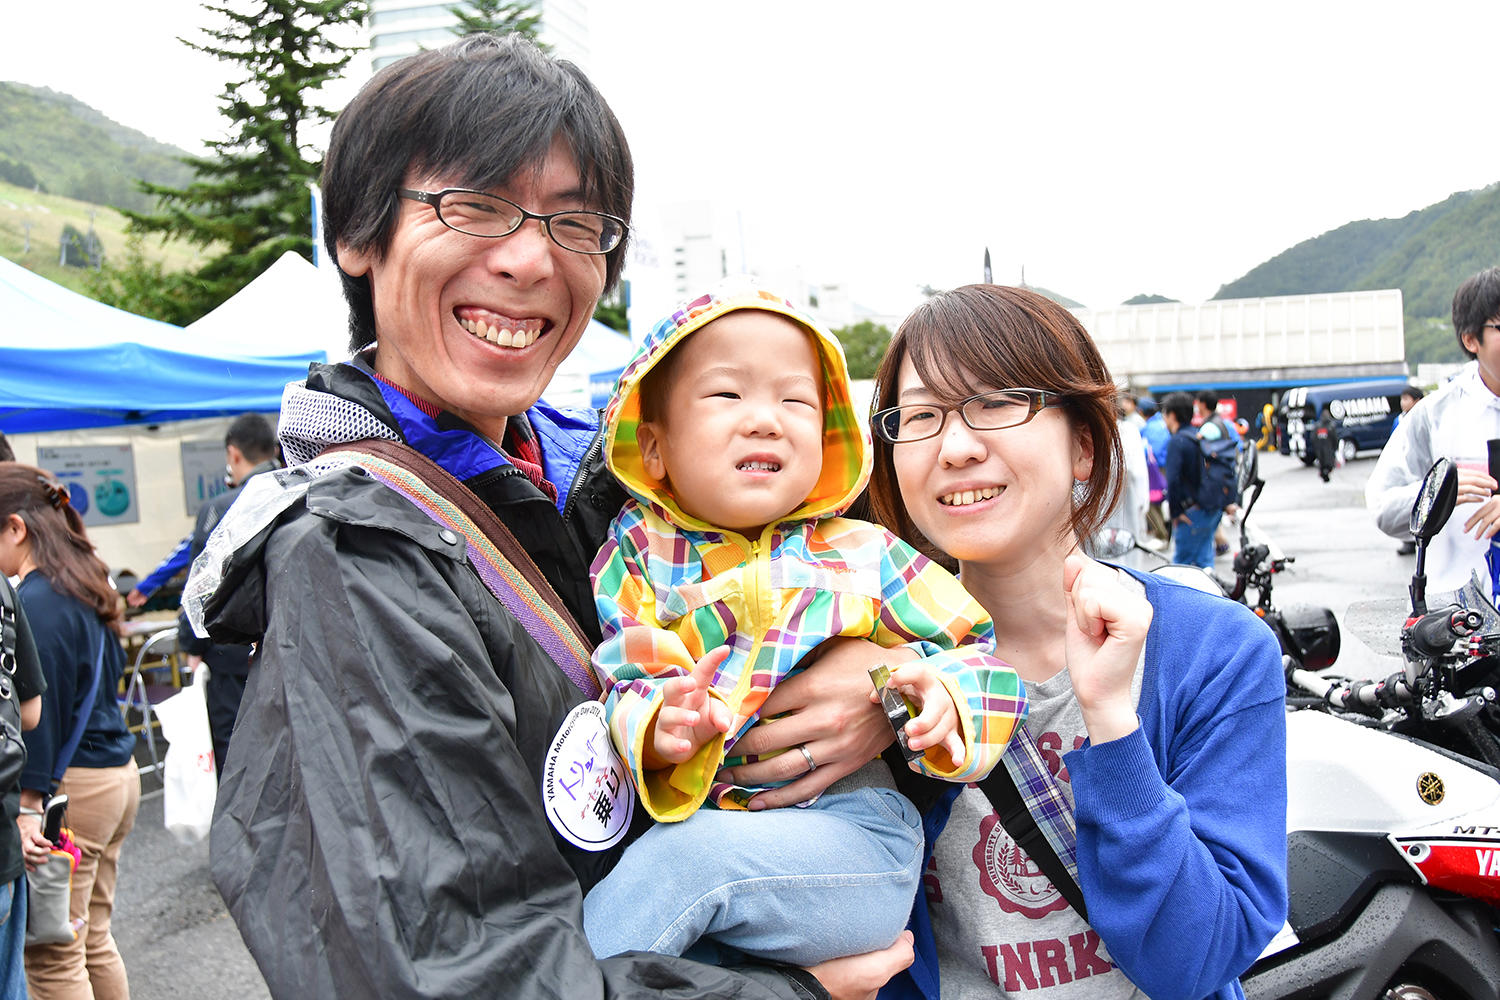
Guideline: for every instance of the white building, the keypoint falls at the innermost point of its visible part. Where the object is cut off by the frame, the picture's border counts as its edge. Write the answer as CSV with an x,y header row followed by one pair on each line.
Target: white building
x,y
403,27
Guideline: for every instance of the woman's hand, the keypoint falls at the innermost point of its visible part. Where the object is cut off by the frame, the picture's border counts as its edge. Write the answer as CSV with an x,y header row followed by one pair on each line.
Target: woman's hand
x,y
1106,629
829,713
35,849
859,977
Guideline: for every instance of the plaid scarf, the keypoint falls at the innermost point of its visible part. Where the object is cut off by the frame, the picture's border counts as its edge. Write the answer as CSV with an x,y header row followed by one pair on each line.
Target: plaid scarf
x,y
1044,800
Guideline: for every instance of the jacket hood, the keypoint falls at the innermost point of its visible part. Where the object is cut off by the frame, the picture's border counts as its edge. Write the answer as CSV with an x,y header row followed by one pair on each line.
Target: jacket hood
x,y
846,449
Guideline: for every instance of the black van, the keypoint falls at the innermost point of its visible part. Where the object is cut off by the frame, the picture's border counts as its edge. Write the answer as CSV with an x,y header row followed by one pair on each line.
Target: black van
x,y
1363,415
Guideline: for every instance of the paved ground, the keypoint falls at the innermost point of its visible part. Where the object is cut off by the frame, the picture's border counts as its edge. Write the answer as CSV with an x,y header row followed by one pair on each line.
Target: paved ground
x,y
179,942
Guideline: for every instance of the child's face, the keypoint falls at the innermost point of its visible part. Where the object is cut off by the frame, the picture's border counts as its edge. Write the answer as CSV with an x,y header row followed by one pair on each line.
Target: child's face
x,y
740,439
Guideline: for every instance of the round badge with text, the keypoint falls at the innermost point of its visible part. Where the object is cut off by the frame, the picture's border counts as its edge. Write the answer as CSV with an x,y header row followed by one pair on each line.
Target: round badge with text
x,y
586,792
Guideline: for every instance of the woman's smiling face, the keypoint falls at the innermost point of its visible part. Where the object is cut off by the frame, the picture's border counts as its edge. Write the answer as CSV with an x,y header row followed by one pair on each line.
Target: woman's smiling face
x,y
989,496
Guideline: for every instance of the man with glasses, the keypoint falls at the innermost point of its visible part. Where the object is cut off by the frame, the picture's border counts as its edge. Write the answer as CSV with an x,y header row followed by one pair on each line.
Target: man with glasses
x,y
1457,421
395,818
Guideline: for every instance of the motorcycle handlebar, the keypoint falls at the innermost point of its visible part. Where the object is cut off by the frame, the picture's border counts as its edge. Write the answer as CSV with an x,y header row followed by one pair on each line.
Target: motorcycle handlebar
x,y
1368,697
1434,633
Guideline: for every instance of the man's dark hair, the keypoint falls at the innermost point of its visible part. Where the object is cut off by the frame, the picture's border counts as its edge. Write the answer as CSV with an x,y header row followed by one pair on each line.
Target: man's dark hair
x,y
253,436
1476,303
481,110
1180,405
1209,399
1413,392
7,454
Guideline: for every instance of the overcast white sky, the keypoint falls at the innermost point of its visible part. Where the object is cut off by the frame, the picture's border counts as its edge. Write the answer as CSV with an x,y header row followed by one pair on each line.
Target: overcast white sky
x,y
1109,148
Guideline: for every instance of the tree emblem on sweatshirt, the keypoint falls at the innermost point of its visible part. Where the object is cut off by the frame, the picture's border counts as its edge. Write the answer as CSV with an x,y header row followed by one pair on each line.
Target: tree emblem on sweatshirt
x,y
1008,874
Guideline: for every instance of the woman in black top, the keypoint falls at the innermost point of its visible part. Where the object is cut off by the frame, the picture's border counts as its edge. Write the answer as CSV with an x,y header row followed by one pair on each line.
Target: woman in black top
x,y
74,613
26,686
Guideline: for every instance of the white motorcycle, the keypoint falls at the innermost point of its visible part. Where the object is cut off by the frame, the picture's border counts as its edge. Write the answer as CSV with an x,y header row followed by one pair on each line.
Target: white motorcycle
x,y
1393,812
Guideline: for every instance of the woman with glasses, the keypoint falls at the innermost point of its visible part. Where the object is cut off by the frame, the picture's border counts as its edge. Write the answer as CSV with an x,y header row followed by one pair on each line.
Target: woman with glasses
x,y
1156,710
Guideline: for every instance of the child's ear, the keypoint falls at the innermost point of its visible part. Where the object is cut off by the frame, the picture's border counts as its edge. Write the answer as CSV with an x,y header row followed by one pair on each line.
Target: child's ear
x,y
648,438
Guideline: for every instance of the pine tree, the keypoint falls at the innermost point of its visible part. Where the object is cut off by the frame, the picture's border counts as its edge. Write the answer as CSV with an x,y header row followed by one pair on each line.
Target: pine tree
x,y
250,202
499,17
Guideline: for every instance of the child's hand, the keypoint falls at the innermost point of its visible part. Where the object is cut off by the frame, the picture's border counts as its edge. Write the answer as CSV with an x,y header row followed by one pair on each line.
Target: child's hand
x,y
936,723
688,717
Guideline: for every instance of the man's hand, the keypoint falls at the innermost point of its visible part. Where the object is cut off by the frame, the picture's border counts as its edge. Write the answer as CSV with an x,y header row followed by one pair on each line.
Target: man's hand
x,y
860,977
1477,487
827,710
135,598
689,717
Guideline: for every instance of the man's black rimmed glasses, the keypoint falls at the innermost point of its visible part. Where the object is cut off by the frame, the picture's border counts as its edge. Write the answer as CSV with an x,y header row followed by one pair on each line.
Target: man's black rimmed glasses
x,y
983,411
478,214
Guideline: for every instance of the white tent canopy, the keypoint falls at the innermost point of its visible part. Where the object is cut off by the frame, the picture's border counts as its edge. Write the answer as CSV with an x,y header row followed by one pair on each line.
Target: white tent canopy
x,y
292,307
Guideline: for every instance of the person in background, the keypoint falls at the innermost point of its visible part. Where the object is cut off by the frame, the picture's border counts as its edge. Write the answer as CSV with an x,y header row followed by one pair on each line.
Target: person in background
x,y
6,453
1193,526
1410,396
1156,436
179,559
26,686
1454,421
1132,409
249,450
1135,493
74,614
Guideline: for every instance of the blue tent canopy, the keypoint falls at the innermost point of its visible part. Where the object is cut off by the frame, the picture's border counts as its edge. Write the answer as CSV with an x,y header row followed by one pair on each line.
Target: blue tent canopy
x,y
69,362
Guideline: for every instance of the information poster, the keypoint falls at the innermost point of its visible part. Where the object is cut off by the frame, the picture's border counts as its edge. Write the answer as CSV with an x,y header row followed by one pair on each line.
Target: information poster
x,y
100,480
202,473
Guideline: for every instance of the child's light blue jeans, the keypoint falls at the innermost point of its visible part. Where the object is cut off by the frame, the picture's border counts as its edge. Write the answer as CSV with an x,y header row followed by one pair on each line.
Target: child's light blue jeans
x,y
799,886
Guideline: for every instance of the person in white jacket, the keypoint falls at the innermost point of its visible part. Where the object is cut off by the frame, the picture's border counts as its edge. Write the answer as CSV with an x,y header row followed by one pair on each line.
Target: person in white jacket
x,y
1457,421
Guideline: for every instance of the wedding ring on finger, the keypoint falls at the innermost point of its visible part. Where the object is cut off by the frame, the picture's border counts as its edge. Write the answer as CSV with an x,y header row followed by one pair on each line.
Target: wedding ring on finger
x,y
812,765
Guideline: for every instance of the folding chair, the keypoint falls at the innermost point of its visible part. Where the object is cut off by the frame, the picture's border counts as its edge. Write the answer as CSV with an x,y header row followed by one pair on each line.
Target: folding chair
x,y
140,692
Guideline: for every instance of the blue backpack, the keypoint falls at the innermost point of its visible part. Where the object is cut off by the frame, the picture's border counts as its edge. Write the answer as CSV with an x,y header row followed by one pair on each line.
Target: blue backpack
x,y
1217,482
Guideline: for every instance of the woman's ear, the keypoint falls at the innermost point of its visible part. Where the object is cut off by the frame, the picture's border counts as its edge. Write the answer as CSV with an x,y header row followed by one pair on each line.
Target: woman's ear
x,y
1083,454
15,528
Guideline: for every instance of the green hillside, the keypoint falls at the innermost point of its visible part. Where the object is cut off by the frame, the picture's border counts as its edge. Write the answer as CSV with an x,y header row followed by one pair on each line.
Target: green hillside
x,y
1426,254
70,149
47,214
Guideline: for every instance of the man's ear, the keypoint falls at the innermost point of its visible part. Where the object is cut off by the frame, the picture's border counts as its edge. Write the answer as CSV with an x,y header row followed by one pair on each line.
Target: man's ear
x,y
233,455
1083,454
1471,341
648,438
354,262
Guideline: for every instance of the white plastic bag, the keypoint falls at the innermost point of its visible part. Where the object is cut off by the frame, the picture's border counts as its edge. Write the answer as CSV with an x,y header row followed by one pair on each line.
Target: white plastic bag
x,y
189,782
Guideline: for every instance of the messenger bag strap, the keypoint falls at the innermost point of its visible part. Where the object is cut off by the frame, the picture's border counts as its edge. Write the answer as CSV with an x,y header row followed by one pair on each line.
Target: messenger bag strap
x,y
504,566
1033,810
65,755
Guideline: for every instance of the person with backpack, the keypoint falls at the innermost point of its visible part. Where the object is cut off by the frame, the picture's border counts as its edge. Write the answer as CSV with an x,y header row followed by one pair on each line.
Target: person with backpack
x,y
1197,491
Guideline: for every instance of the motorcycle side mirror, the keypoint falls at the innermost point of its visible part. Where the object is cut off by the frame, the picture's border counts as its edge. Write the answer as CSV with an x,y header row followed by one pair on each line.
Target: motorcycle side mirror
x,y
1112,543
1435,502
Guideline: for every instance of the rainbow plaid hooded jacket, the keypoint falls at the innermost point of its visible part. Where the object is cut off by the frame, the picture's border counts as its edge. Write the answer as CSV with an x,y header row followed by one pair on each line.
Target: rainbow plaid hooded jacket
x,y
669,589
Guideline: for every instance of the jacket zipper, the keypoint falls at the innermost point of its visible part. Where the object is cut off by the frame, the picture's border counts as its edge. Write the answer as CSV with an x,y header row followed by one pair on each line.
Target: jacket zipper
x,y
583,473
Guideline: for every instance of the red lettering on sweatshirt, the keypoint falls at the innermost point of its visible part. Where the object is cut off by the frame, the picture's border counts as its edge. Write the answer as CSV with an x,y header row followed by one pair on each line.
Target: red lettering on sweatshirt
x,y
1036,965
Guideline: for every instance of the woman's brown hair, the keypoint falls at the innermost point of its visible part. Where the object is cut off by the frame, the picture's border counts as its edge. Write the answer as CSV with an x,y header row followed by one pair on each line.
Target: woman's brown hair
x,y
982,337
60,546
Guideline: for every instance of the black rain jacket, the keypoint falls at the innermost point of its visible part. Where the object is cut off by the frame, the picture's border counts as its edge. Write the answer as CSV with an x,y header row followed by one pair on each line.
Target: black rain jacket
x,y
380,829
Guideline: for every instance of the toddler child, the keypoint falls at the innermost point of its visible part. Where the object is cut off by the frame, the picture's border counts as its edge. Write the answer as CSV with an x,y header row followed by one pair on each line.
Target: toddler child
x,y
734,432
